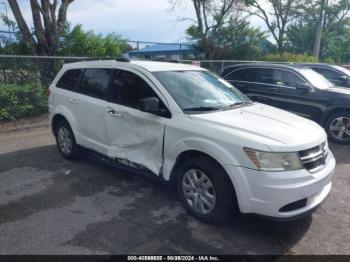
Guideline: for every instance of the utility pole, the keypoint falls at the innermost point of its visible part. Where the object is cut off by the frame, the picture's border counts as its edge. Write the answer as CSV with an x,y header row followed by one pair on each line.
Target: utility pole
x,y
319,25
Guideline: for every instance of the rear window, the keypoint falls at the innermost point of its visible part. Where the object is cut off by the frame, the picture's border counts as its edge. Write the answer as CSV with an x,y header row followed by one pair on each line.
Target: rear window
x,y
94,82
69,79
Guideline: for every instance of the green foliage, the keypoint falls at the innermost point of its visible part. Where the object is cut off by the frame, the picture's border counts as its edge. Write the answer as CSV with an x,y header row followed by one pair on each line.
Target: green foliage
x,y
335,43
234,40
13,44
22,101
241,41
289,57
77,42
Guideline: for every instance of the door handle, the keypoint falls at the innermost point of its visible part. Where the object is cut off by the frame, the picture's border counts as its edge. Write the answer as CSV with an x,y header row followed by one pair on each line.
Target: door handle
x,y
113,113
73,101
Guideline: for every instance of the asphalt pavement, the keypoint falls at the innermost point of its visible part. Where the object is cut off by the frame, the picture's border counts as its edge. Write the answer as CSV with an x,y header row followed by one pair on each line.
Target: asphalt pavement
x,y
49,205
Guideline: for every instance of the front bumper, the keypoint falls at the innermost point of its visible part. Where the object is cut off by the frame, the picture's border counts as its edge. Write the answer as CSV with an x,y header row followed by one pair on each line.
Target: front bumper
x,y
265,193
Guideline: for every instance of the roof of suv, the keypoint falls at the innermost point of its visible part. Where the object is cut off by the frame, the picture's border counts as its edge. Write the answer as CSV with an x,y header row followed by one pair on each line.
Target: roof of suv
x,y
261,64
151,66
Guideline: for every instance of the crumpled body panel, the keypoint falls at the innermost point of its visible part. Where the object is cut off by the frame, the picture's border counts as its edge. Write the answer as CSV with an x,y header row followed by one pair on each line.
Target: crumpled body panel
x,y
137,137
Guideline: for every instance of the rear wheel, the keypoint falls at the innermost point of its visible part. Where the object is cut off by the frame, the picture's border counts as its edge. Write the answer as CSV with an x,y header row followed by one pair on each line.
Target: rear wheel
x,y
338,127
205,190
65,141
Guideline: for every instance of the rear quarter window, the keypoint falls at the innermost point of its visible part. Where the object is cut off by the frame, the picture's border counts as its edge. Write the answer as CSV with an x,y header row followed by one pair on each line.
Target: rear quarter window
x,y
69,79
237,74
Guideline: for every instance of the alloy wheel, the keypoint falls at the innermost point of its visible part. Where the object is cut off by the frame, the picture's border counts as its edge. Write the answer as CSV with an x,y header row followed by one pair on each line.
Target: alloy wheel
x,y
339,128
199,191
64,140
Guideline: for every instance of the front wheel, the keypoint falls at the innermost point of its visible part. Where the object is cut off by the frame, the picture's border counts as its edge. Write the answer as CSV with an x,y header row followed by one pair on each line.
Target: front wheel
x,y
338,127
205,190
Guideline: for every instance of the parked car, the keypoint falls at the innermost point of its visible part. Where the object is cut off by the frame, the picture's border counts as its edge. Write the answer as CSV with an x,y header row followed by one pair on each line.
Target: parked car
x,y
347,66
338,75
296,89
186,126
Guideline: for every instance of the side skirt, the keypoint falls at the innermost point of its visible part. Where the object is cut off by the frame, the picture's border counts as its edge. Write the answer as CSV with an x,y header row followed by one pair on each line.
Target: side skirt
x,y
123,164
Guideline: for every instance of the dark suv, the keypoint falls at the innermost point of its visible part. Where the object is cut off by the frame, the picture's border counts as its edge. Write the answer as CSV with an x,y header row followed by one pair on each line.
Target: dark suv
x,y
338,75
296,89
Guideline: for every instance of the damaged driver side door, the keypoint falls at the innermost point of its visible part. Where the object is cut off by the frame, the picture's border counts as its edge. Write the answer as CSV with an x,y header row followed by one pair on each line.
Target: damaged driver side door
x,y
135,137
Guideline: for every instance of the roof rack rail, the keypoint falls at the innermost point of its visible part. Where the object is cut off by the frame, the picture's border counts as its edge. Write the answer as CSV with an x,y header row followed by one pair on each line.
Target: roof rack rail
x,y
165,60
122,59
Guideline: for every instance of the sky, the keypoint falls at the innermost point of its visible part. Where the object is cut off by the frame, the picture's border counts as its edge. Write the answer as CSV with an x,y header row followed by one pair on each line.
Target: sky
x,y
143,20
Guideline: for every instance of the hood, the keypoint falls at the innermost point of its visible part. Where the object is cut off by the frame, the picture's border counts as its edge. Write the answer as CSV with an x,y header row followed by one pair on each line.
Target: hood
x,y
340,90
277,129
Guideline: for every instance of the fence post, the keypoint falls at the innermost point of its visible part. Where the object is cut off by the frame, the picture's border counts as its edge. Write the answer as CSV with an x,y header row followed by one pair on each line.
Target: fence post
x,y
180,52
222,66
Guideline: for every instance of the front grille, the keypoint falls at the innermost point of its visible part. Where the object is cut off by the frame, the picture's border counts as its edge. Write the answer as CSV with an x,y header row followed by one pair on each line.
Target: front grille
x,y
314,159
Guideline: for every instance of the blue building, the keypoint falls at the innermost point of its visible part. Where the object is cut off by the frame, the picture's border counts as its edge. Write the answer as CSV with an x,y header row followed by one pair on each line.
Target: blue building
x,y
164,51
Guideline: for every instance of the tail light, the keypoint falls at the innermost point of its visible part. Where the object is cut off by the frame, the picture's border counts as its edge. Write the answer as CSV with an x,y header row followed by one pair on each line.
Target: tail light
x,y
48,92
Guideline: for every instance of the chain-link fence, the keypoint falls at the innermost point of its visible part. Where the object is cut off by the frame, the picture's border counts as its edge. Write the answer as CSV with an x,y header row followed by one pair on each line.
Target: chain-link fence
x,y
23,89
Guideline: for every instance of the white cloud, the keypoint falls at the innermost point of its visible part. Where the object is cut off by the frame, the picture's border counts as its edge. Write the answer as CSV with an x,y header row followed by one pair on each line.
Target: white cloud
x,y
143,20
136,19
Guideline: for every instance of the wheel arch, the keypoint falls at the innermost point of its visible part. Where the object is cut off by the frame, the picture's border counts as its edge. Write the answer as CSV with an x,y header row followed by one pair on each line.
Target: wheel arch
x,y
62,112
55,120
332,111
191,153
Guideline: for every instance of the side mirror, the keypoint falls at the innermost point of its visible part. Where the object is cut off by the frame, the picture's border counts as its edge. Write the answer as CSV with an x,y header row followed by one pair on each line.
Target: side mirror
x,y
343,78
150,105
305,87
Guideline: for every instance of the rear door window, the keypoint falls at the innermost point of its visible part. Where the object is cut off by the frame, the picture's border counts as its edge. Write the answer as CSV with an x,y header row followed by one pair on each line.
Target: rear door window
x,y
94,82
69,79
260,75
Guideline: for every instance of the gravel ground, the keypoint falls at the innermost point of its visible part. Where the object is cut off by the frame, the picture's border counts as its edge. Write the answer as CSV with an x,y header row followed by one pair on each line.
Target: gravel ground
x,y
52,206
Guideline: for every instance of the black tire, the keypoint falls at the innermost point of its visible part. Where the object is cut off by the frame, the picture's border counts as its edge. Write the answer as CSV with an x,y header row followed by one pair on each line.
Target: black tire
x,y
332,134
75,152
225,204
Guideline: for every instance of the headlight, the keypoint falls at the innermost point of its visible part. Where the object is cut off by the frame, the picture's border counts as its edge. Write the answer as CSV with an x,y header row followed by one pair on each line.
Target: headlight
x,y
270,161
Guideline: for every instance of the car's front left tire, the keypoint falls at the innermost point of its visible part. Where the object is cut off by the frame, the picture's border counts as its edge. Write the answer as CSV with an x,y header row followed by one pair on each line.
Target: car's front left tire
x,y
338,127
66,142
205,190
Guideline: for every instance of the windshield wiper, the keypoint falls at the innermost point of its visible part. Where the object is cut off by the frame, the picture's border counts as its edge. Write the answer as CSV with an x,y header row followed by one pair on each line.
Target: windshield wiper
x,y
202,108
240,103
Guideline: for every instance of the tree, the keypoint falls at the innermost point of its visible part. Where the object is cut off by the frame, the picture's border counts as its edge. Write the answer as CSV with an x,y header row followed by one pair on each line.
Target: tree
x,y
14,44
281,14
49,19
238,40
318,30
302,35
77,42
211,15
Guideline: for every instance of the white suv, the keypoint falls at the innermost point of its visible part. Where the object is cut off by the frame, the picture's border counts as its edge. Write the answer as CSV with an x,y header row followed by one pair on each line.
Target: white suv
x,y
185,125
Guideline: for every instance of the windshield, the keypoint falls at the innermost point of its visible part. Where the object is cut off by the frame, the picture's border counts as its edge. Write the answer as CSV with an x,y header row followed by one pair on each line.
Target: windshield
x,y
200,90
315,78
342,69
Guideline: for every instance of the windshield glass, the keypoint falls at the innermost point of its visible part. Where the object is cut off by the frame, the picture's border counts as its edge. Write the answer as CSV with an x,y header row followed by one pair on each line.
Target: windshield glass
x,y
200,90
342,69
315,78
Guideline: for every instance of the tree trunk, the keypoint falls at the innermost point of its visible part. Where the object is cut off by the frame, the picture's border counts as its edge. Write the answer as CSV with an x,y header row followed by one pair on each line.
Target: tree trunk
x,y
318,33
